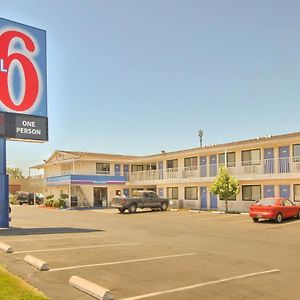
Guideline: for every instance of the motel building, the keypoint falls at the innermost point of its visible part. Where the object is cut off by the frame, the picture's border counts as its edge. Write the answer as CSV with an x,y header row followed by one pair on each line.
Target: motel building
x,y
265,167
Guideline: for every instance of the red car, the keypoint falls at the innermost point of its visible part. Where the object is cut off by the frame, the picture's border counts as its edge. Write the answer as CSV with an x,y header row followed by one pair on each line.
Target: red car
x,y
274,208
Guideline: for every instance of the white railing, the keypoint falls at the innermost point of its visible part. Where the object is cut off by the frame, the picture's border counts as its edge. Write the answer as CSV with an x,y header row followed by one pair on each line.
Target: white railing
x,y
246,169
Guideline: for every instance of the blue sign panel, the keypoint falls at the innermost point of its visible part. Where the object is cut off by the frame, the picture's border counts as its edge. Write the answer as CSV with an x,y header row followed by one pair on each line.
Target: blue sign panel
x,y
23,74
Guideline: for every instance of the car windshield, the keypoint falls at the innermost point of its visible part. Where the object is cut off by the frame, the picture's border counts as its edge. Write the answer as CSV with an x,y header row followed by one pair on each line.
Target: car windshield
x,y
266,202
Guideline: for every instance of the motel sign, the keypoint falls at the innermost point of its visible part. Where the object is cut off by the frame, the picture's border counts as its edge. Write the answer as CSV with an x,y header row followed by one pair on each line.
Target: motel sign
x,y
23,86
23,94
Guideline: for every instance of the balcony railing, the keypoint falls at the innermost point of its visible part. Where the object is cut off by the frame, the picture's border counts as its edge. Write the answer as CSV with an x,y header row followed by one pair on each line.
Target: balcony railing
x,y
246,169
282,167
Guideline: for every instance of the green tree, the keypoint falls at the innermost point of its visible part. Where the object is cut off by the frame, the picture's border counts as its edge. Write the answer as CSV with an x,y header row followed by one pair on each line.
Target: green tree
x,y
225,186
15,172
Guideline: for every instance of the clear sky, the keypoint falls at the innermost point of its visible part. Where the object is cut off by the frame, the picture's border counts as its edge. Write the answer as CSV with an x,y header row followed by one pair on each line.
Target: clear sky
x,y
140,76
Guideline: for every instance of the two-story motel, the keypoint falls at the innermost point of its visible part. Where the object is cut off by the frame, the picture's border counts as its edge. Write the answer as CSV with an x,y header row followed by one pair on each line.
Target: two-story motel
x,y
265,167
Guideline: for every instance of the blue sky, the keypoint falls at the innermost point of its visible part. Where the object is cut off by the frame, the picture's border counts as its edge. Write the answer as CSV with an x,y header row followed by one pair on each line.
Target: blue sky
x,y
139,76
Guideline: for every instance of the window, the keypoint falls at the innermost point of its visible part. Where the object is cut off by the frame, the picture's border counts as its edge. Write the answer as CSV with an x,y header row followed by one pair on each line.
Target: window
x,y
251,157
172,164
251,192
151,166
190,163
296,192
191,193
287,203
102,168
296,152
136,168
172,193
230,159
267,202
153,195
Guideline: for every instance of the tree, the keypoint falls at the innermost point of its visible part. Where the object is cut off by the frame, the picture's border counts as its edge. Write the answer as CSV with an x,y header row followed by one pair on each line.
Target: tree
x,y
225,186
15,172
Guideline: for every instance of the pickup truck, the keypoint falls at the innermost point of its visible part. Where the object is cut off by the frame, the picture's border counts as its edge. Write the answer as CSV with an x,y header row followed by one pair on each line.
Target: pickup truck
x,y
140,199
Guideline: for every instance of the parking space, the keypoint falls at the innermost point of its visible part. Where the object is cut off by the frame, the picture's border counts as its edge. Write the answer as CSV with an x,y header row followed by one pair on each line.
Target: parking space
x,y
156,255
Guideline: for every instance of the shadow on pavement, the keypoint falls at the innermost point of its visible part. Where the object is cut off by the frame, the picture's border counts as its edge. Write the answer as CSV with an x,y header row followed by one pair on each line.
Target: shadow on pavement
x,y
51,230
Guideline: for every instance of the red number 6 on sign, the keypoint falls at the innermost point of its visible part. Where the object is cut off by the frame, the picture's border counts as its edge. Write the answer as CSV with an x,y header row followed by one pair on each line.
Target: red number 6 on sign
x,y
31,78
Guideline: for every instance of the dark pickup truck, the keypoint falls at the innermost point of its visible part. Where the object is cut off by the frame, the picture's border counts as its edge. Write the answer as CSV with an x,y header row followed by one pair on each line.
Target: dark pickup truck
x,y
140,199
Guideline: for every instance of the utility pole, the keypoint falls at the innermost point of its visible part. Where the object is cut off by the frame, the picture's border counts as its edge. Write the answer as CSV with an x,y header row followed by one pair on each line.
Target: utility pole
x,y
200,134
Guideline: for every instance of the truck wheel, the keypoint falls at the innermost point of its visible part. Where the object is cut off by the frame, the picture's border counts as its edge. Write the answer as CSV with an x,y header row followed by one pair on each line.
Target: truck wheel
x,y
121,210
132,208
164,206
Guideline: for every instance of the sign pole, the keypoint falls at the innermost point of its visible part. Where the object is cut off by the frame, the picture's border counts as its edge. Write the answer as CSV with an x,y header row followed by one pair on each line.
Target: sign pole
x,y
4,203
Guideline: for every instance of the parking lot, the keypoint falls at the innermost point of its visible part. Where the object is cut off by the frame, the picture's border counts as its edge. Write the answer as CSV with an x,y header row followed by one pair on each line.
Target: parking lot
x,y
155,255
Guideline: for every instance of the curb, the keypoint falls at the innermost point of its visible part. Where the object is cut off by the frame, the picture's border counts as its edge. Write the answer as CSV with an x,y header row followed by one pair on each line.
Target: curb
x,y
36,263
90,288
6,248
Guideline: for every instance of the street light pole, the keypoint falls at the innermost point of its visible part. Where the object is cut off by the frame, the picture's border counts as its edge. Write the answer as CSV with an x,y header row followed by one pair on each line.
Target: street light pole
x,y
4,206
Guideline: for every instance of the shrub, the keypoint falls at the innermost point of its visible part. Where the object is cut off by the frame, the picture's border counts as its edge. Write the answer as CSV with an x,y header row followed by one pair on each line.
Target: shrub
x,y
49,197
64,196
58,203
49,202
55,203
62,203
13,199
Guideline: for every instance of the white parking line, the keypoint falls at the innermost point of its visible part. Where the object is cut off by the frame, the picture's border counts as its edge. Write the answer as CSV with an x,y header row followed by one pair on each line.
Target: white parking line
x,y
38,238
75,248
200,285
122,262
284,224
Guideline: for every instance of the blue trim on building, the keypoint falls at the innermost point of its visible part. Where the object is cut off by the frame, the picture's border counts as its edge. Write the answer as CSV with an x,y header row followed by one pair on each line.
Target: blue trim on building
x,y
85,180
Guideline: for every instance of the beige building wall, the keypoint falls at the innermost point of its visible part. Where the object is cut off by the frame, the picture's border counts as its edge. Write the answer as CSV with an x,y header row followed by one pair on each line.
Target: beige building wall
x,y
31,185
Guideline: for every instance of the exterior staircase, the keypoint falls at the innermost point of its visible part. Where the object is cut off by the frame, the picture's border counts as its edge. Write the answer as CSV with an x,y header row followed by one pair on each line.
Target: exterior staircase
x,y
77,192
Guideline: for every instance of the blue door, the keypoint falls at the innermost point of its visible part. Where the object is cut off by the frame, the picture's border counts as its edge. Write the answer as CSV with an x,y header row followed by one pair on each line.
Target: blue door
x,y
284,164
268,191
213,201
203,166
117,170
160,168
126,192
126,172
269,161
285,191
160,192
203,197
213,165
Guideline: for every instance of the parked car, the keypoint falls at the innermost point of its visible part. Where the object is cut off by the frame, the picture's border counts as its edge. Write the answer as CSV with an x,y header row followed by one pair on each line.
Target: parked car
x,y
22,197
140,199
25,197
38,198
274,208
